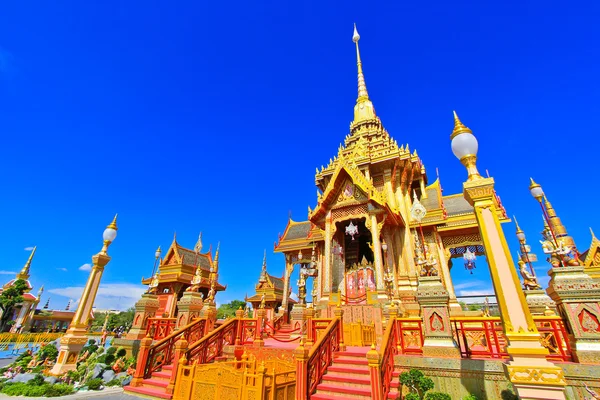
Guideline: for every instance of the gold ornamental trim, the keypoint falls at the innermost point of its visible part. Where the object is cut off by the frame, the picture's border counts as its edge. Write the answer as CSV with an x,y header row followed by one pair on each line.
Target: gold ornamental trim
x,y
536,376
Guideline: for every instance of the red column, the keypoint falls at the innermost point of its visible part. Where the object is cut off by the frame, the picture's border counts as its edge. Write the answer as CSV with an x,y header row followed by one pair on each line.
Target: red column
x,y
142,360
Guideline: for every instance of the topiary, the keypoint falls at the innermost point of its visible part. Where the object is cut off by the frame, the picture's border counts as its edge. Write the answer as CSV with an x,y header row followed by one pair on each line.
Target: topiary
x,y
437,396
94,384
109,359
412,396
121,352
470,397
49,351
37,380
114,382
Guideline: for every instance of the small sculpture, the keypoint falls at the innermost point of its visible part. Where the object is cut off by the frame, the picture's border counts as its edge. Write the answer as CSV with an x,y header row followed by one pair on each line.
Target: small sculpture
x,y
153,286
558,251
211,294
529,281
262,301
196,280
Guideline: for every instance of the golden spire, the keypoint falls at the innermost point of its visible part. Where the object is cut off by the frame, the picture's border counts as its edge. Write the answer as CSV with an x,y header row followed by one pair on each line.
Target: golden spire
x,y
40,292
459,127
263,272
24,274
216,263
363,109
557,226
519,230
113,224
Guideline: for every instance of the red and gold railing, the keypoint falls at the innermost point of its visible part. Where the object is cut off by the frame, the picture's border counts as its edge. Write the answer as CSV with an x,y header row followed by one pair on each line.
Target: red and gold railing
x,y
161,353
211,346
160,328
409,336
320,355
390,348
483,337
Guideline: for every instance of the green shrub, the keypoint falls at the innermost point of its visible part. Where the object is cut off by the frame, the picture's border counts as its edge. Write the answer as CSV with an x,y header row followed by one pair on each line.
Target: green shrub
x,y
94,384
416,382
23,362
48,351
110,358
437,396
102,358
37,380
73,375
59,389
121,352
470,397
114,382
111,350
412,396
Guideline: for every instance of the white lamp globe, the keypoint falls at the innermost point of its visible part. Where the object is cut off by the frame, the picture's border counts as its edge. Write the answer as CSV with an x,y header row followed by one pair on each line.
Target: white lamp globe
x,y
157,254
109,234
464,144
521,236
536,190
384,246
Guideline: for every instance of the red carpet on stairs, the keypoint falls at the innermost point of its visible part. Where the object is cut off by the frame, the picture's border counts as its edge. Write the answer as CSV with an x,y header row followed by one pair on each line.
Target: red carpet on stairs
x,y
348,377
156,386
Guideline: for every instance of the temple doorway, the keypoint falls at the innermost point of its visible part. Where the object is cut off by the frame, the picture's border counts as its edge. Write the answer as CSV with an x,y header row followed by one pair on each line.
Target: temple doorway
x,y
357,242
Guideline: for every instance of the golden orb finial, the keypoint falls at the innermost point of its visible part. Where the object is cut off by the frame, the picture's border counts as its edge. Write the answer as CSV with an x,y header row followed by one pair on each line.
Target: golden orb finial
x,y
363,110
113,224
459,127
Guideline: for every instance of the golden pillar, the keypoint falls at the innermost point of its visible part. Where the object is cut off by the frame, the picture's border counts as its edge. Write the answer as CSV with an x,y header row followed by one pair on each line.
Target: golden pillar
x,y
377,253
326,289
532,375
76,336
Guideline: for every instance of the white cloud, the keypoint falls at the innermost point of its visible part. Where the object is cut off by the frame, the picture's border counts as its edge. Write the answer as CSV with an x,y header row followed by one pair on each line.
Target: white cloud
x,y
117,296
28,248
7,273
62,269
86,267
482,293
468,285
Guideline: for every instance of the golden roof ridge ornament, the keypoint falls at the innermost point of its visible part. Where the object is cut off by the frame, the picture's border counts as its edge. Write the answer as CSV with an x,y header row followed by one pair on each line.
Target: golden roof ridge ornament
x,y
363,110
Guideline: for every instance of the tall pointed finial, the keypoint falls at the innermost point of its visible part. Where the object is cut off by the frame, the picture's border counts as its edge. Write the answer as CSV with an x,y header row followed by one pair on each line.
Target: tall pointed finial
x,y
217,257
459,127
40,292
24,274
198,246
47,304
263,272
592,232
113,224
68,306
363,109
517,224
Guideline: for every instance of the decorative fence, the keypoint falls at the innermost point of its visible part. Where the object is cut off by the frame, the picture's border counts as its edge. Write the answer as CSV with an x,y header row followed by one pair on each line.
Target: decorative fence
x,y
160,328
245,380
409,336
358,334
321,354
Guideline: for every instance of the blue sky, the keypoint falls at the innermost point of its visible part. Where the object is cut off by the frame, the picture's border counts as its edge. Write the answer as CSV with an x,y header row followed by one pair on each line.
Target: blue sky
x,y
212,117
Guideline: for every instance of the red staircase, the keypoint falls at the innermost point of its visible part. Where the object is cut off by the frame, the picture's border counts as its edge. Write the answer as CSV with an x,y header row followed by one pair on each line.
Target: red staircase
x,y
348,377
156,385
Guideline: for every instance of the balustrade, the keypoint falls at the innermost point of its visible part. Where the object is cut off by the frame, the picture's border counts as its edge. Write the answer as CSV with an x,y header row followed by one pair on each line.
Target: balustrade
x,y
409,336
321,354
160,328
389,350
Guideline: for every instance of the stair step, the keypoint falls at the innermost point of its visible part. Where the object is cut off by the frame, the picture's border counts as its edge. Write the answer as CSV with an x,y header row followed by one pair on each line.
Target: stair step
x,y
349,369
168,367
351,354
323,396
348,392
148,391
350,360
347,378
159,383
162,375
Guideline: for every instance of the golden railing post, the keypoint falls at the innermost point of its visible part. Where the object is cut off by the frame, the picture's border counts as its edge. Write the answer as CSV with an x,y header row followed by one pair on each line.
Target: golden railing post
x,y
301,356
338,312
310,332
180,348
260,379
260,321
374,359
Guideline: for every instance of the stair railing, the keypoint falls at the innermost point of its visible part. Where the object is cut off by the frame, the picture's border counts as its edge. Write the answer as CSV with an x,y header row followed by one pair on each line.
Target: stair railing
x,y
389,348
211,345
320,355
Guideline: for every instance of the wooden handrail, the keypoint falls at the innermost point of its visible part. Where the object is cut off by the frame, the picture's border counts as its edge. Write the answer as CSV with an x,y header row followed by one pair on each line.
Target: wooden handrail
x,y
190,351
388,350
177,332
322,349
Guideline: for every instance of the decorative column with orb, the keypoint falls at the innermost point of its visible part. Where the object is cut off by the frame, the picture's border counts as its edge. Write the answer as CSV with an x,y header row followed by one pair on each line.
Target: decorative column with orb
x,y
532,375
576,294
76,337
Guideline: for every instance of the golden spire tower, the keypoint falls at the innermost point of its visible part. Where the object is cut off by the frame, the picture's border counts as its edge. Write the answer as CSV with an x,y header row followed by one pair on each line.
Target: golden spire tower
x,y
363,110
557,226
24,274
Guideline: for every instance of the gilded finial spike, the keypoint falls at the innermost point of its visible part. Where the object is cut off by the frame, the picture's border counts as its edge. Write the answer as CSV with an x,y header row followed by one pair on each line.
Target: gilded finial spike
x,y
459,127
592,232
113,224
517,224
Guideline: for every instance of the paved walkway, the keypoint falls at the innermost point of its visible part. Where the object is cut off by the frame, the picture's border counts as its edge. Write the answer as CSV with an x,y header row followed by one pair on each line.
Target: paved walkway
x,y
106,394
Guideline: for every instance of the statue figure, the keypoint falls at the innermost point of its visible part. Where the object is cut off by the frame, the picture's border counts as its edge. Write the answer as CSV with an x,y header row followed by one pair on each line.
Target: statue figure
x,y
196,280
558,252
211,294
529,281
262,301
153,287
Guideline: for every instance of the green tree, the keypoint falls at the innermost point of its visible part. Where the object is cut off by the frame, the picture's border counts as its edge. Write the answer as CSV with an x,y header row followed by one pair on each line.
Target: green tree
x,y
229,309
115,320
417,383
10,297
